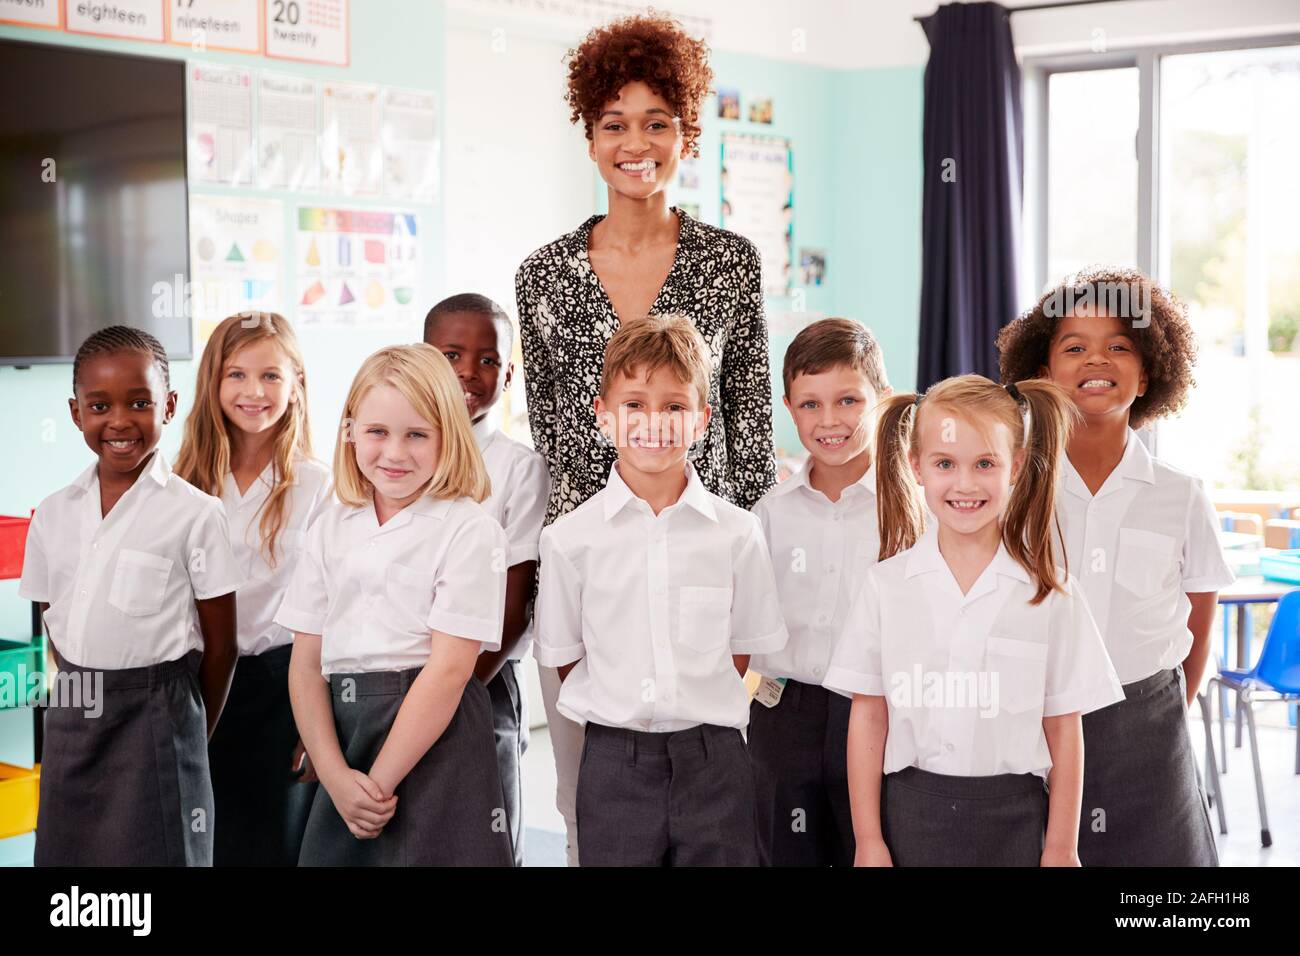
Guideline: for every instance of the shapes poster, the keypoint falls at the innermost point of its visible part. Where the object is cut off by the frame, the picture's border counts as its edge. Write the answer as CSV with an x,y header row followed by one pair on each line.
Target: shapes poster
x,y
236,259
358,268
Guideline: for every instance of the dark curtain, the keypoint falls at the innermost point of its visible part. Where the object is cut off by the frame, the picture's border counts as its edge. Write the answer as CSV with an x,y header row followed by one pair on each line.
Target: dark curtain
x,y
973,174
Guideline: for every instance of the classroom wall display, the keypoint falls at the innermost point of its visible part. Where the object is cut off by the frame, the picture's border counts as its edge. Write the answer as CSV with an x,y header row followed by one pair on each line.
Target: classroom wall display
x,y
728,103
410,144
351,151
760,110
315,31
812,266
33,13
234,25
220,115
358,267
236,260
758,201
288,137
124,19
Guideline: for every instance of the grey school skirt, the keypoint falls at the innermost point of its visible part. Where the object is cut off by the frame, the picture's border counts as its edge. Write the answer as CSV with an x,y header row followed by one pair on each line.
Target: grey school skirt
x,y
1142,799
932,819
450,807
129,785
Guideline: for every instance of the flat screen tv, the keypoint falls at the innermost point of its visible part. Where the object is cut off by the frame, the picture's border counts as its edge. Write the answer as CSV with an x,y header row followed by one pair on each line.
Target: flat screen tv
x,y
93,200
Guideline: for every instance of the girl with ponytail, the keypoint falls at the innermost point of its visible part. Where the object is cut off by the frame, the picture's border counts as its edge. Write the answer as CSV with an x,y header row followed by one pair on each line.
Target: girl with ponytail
x,y
247,442
969,652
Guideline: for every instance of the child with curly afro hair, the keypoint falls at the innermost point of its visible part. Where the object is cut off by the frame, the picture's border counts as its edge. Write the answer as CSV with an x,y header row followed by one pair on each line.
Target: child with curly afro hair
x,y
1142,538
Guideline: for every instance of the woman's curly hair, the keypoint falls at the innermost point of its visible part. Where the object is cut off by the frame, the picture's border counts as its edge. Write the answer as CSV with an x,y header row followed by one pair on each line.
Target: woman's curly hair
x,y
653,49
1163,336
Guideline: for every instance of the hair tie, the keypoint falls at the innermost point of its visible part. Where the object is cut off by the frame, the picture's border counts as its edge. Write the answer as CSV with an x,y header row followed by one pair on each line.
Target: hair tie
x,y
1015,393
916,402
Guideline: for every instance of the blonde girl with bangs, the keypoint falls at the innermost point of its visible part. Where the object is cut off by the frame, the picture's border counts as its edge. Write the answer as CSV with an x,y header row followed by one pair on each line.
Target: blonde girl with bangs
x,y
970,654
247,441
400,587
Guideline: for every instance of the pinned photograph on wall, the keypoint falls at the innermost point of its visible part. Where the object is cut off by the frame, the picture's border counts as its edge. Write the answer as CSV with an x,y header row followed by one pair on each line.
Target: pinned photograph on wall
x,y
760,110
287,135
220,115
812,266
758,201
236,264
358,268
728,103
688,173
410,138
351,153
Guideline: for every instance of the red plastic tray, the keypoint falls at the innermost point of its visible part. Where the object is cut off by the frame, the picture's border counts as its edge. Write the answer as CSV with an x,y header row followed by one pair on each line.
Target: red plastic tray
x,y
13,541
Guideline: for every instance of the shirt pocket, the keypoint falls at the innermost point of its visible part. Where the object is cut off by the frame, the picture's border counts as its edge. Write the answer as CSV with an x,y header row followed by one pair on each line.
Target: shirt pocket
x,y
139,583
704,617
410,595
1021,669
864,557
1144,561
288,546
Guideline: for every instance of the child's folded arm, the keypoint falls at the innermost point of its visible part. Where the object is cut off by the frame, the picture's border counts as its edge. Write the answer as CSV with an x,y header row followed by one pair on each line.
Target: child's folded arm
x,y
427,708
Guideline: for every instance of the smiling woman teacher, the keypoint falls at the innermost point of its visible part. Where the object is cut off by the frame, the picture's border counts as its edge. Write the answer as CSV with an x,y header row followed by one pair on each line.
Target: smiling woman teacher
x,y
637,85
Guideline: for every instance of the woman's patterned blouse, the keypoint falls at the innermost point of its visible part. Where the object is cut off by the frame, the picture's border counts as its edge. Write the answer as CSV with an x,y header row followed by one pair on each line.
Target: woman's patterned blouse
x,y
566,320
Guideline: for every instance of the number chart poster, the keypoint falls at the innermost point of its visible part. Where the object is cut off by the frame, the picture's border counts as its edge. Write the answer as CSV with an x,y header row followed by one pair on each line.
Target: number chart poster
x,y
758,202
358,268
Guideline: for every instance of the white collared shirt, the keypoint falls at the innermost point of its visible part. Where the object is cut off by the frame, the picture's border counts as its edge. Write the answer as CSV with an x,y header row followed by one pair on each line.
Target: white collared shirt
x,y
520,488
653,607
375,592
1148,538
969,678
122,587
821,549
260,597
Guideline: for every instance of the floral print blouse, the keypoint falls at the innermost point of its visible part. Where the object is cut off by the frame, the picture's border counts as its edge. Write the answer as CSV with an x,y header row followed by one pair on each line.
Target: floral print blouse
x,y
566,320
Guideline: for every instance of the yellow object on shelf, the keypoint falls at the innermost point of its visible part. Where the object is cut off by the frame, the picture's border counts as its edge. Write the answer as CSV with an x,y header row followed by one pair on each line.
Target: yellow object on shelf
x,y
19,793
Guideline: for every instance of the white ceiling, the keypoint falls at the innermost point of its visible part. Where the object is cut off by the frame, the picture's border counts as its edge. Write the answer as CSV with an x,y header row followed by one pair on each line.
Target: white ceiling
x,y
856,34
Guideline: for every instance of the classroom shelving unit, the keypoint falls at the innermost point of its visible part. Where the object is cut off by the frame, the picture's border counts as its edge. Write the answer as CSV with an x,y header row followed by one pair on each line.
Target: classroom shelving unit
x,y
22,662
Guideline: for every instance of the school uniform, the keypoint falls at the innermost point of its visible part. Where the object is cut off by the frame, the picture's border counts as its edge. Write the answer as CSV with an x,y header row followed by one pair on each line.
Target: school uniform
x,y
520,487
798,729
652,608
1139,546
125,782
262,806
373,593
968,680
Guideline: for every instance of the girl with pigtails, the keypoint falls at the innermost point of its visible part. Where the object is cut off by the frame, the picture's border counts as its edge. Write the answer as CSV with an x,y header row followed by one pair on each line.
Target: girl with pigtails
x,y
970,652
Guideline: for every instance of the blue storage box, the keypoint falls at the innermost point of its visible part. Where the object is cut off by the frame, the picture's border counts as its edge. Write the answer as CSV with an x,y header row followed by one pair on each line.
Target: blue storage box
x,y
1283,566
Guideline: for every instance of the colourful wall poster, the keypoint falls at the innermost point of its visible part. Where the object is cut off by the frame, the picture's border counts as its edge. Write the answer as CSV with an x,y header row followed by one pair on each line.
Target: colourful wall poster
x,y
221,124
758,201
32,13
358,268
233,25
351,153
315,31
236,259
124,19
410,137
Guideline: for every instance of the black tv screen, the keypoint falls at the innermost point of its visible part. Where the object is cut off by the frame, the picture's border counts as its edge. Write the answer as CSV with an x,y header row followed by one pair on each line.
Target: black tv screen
x,y
93,200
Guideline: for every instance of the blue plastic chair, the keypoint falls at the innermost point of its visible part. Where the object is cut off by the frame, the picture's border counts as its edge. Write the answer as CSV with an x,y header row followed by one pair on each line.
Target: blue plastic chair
x,y
1277,671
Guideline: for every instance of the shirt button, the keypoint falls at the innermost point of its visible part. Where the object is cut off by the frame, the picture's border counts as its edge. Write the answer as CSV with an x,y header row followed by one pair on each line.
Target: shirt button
x,y
83,592
823,619
948,747
830,569
95,545
817,672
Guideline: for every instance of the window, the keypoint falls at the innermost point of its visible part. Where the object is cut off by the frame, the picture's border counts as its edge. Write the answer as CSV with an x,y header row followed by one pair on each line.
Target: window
x,y
1182,162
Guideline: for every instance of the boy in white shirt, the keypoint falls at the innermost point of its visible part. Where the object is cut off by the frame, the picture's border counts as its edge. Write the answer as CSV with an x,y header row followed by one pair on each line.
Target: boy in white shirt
x,y
653,594
475,335
821,530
